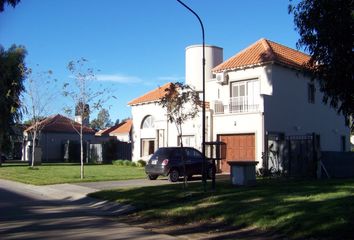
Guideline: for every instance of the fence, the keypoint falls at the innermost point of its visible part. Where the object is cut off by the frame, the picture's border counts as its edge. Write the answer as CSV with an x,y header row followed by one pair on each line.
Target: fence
x,y
337,164
97,153
293,156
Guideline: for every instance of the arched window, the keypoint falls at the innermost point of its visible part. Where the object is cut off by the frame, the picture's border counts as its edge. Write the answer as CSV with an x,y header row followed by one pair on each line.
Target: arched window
x,y
148,122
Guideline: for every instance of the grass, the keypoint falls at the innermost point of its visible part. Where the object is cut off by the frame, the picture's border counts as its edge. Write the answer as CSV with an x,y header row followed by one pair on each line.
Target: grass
x,y
296,209
68,173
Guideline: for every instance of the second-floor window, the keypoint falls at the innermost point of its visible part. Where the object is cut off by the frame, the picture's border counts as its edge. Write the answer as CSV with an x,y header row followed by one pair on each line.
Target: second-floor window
x,y
244,96
311,92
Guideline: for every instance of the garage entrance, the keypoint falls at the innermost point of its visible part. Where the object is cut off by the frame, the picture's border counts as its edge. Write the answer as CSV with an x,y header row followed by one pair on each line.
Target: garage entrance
x,y
238,147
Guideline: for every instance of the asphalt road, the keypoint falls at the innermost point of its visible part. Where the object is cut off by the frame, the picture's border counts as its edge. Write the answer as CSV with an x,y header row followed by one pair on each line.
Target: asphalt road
x,y
26,214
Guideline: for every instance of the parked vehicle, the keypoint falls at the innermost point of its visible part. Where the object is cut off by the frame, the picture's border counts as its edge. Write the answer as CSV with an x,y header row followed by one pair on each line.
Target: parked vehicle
x,y
167,161
3,158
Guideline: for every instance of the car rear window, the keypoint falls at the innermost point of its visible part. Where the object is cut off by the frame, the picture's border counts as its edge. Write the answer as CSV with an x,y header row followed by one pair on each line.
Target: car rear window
x,y
162,153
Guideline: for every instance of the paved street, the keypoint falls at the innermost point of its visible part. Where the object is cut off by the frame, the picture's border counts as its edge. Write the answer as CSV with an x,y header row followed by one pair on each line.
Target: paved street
x,y
47,212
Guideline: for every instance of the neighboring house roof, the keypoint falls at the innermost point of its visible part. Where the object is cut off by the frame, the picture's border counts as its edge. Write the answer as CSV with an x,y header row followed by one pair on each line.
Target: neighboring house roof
x,y
59,123
105,131
264,51
124,127
151,96
155,95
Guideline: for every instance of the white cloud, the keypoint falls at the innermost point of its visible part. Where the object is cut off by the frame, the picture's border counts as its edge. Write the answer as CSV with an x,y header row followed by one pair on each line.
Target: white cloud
x,y
119,78
171,78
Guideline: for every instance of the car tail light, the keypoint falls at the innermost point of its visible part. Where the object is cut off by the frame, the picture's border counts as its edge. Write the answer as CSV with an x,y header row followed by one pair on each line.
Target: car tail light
x,y
164,162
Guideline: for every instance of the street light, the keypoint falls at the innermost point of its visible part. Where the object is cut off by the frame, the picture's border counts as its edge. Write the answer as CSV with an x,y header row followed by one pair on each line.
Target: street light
x,y
203,105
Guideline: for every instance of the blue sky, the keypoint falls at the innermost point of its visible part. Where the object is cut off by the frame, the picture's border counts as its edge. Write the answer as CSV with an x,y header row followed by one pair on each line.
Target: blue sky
x,y
137,45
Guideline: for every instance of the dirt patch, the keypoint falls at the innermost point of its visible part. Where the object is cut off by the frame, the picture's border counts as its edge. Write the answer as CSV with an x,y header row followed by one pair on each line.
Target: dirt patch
x,y
199,230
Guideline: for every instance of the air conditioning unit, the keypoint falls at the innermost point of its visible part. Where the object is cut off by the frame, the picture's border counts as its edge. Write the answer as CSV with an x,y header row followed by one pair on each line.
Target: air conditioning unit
x,y
222,78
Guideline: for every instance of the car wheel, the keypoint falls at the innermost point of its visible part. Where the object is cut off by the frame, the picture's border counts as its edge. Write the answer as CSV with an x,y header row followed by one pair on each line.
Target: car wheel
x,y
173,176
152,177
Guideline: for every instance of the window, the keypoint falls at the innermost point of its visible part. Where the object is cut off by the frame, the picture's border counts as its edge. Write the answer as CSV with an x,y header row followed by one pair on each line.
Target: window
x,y
147,147
148,122
311,92
192,153
244,96
188,141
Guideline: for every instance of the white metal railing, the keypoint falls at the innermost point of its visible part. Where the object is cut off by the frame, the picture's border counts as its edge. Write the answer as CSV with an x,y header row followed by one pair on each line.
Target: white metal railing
x,y
241,104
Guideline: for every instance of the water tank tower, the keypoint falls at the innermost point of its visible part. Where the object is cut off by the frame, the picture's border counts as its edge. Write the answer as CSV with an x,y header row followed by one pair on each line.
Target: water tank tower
x,y
194,68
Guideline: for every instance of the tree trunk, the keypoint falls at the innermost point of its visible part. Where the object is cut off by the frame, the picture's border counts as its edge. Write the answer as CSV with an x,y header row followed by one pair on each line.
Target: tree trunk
x,y
183,160
33,147
81,155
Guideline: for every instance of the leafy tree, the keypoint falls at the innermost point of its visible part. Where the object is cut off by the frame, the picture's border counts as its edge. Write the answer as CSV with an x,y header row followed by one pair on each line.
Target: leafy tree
x,y
83,95
102,121
12,74
13,3
326,32
182,103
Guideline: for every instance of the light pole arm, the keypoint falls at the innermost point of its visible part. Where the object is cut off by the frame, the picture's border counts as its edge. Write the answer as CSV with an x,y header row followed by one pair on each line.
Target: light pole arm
x,y
195,14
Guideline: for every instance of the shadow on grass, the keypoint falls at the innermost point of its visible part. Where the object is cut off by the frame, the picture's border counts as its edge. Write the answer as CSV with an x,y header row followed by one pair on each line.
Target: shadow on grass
x,y
296,209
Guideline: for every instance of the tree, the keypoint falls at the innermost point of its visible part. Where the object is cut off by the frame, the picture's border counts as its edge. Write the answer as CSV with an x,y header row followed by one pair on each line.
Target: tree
x,y
102,121
12,74
13,3
182,103
39,95
83,95
326,32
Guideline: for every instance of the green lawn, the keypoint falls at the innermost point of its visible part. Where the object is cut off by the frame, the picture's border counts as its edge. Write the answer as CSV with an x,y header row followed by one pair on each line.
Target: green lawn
x,y
297,209
68,173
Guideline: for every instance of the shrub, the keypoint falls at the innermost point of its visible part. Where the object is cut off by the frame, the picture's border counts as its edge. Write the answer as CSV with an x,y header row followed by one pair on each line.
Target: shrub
x,y
118,162
133,164
141,163
127,163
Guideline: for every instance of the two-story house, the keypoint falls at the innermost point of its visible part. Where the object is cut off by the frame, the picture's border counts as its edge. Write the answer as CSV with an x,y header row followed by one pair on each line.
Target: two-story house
x,y
259,91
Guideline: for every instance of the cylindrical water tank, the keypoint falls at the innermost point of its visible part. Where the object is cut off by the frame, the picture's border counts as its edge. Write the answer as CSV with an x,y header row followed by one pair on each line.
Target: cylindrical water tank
x,y
194,67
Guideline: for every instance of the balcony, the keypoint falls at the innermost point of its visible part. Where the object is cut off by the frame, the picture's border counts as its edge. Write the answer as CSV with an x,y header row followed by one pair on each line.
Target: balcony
x,y
236,105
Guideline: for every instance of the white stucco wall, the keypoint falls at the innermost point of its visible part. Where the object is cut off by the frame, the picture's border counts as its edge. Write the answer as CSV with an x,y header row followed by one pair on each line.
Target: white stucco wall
x,y
288,110
242,123
139,112
194,67
124,137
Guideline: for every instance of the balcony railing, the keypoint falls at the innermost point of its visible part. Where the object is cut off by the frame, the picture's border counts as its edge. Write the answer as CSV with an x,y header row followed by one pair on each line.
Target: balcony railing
x,y
236,105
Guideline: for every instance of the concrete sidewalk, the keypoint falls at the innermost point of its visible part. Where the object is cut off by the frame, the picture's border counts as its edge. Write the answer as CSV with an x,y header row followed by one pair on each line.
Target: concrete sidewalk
x,y
70,198
68,192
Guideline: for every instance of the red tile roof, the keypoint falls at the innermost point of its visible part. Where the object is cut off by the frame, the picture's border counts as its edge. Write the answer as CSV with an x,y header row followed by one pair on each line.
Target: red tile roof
x,y
265,51
105,131
123,127
156,95
151,96
59,123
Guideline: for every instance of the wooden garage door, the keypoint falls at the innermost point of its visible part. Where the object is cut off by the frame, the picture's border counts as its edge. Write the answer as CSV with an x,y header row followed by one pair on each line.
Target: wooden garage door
x,y
238,147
